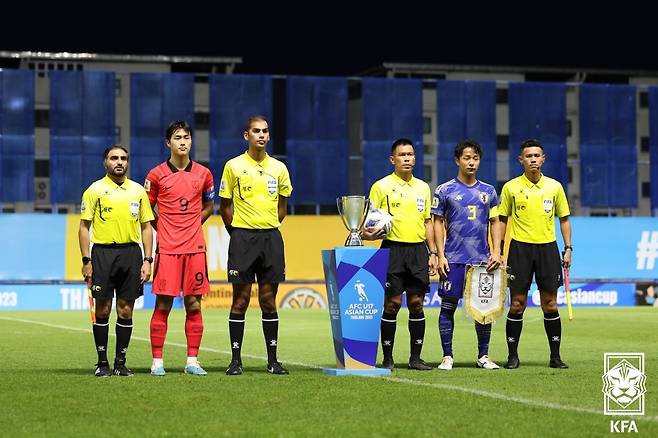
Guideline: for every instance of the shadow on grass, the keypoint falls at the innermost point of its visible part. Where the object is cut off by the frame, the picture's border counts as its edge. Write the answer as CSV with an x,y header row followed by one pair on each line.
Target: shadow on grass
x,y
73,371
294,370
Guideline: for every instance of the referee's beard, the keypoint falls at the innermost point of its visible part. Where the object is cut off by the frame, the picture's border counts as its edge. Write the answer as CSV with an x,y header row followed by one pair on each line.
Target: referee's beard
x,y
117,171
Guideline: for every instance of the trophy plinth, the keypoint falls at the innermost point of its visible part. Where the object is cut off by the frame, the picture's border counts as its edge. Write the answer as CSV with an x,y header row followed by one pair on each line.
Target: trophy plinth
x,y
353,211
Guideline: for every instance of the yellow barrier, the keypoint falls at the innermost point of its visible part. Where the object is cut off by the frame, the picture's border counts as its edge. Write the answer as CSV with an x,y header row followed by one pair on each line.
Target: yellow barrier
x,y
303,236
290,296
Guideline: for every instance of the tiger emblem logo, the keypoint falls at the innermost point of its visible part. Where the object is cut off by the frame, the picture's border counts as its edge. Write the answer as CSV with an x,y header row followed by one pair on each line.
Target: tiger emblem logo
x,y
485,289
624,383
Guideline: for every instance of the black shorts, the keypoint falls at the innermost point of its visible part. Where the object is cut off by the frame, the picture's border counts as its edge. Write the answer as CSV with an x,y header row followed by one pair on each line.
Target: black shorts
x,y
256,254
407,268
117,267
541,259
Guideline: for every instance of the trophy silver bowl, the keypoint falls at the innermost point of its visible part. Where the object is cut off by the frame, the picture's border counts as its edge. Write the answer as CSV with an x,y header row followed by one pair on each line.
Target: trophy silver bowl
x,y
353,210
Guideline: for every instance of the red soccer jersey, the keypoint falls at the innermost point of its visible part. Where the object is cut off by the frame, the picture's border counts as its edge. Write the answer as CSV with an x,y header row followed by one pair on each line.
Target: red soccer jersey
x,y
179,196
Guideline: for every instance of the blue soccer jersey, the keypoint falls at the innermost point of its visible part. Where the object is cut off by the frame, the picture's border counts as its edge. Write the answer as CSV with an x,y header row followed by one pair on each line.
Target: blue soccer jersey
x,y
467,211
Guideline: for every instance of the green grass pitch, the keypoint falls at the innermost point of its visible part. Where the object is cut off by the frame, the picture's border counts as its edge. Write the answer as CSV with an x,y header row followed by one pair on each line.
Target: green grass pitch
x,y
47,387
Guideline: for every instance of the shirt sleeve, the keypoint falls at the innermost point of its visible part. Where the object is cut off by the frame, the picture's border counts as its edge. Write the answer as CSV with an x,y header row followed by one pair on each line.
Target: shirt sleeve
x,y
428,199
145,212
152,187
562,205
227,183
505,206
285,186
493,204
439,203
376,196
208,187
88,205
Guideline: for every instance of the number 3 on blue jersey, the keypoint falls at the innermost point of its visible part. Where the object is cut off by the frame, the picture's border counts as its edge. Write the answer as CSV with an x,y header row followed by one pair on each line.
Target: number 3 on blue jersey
x,y
473,209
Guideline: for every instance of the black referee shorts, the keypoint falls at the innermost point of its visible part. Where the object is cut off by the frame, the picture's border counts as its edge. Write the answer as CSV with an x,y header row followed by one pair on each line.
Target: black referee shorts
x,y
541,259
117,267
407,268
256,255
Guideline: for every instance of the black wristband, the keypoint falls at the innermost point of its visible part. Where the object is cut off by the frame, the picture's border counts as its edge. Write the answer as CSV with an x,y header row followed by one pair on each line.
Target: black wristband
x,y
566,247
86,260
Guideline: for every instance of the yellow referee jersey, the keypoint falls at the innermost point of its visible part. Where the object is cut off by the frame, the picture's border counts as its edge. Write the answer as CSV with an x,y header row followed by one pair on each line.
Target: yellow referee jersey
x,y
533,208
115,211
408,202
255,189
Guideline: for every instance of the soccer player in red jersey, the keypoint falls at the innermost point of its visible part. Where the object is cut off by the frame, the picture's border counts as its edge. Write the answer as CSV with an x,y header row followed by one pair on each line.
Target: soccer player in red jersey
x,y
181,193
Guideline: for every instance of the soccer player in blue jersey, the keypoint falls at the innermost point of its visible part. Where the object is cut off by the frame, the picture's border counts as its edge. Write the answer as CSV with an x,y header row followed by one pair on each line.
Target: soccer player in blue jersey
x,y
468,210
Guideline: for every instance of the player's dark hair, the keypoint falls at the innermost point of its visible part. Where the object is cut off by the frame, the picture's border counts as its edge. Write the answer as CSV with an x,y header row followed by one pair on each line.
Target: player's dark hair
x,y
115,146
531,143
401,142
252,119
468,143
175,126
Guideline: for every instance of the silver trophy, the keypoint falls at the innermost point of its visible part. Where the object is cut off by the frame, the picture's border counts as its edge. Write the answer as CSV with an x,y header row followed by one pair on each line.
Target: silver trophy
x,y
353,210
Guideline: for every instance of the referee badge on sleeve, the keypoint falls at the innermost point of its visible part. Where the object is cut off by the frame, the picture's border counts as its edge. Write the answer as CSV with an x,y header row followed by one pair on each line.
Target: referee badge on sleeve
x,y
82,207
147,185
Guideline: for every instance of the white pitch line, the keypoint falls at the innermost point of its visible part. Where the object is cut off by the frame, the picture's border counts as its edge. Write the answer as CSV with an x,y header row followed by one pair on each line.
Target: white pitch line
x,y
479,392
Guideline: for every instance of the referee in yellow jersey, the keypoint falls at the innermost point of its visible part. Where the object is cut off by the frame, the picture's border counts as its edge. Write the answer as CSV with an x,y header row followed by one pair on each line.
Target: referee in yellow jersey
x,y
254,194
117,208
412,250
533,200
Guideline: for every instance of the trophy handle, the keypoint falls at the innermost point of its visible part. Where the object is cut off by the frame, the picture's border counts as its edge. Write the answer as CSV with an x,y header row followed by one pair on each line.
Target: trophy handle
x,y
366,208
341,211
